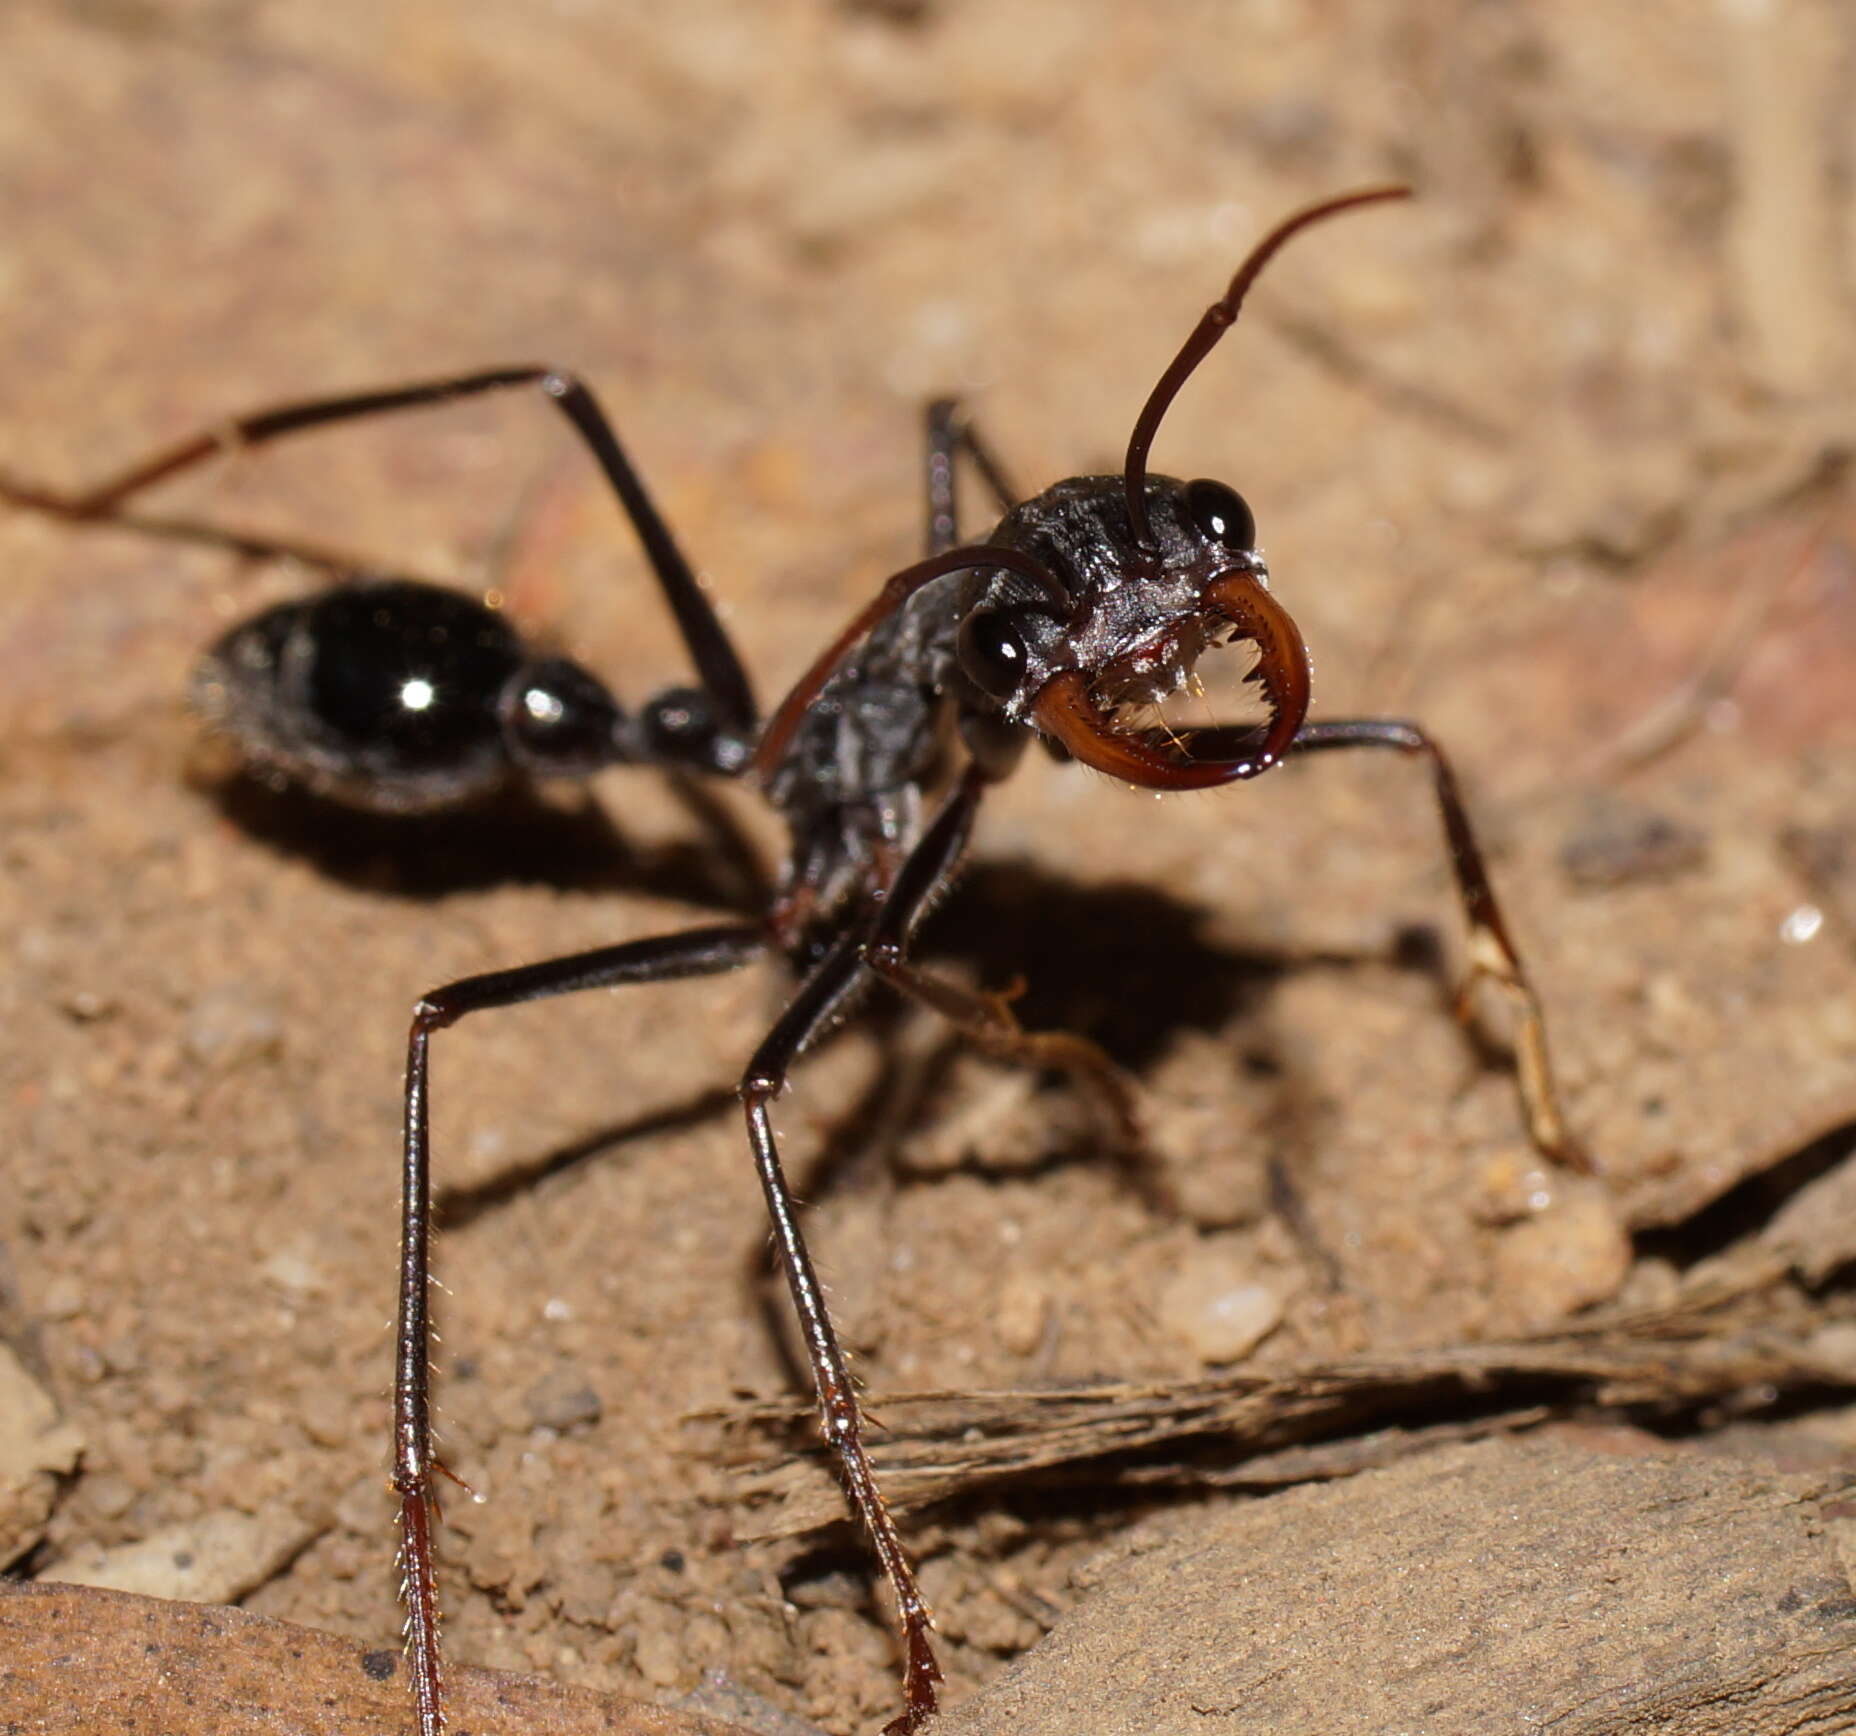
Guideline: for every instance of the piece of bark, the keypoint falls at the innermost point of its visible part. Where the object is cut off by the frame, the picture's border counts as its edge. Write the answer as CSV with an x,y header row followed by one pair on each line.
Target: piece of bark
x,y
1816,1228
1479,1591
1736,1325
78,1661
1666,1200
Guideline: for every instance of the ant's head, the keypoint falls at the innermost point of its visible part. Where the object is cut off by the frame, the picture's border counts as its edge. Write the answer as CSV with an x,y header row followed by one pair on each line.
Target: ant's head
x,y
1091,654
1093,603
1142,575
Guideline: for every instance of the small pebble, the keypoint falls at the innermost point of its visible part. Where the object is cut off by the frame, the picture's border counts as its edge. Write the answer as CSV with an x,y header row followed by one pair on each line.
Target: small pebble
x,y
62,1298
1510,1187
36,1452
658,1657
1214,1303
229,1027
1563,1259
718,1696
110,1496
1018,1320
215,1558
294,1271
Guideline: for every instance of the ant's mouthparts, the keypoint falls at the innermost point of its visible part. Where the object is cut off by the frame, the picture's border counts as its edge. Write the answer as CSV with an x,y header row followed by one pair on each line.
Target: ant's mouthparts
x,y
1068,711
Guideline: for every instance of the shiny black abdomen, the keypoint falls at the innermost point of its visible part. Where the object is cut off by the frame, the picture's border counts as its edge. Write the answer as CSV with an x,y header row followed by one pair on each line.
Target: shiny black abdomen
x,y
382,693
406,676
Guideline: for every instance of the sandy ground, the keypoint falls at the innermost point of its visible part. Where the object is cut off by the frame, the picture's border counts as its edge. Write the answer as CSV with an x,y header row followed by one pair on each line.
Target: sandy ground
x,y
1551,458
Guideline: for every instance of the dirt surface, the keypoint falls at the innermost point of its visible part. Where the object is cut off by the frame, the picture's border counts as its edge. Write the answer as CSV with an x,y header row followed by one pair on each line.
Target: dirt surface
x,y
1551,457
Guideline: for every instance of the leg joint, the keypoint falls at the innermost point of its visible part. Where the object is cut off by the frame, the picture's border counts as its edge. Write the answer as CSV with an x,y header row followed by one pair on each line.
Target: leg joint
x,y
757,1090
839,1420
560,383
885,957
433,1012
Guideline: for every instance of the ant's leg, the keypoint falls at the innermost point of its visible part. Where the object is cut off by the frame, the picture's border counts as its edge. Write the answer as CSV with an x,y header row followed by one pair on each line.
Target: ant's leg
x,y
701,952
949,433
825,994
987,1021
831,985
339,564
1491,951
704,635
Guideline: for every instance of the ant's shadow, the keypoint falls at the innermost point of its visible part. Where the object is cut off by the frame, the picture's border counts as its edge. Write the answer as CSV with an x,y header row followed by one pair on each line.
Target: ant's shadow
x,y
519,837
1127,965
1123,964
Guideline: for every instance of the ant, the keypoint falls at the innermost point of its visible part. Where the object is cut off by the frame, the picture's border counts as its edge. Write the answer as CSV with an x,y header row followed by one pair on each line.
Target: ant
x,y
1087,606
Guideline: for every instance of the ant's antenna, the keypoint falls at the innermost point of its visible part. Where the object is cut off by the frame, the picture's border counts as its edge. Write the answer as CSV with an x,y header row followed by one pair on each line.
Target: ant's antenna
x,y
1217,318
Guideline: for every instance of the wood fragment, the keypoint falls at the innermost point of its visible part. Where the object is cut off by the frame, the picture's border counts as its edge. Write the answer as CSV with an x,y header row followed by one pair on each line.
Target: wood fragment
x,y
80,1661
1479,1591
1741,1323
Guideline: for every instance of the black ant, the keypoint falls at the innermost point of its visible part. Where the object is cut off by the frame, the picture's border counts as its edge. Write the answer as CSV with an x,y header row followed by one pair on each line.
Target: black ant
x,y
1088,605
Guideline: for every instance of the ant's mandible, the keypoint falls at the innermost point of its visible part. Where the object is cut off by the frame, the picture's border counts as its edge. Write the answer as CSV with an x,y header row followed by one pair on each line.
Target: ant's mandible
x,y
1088,605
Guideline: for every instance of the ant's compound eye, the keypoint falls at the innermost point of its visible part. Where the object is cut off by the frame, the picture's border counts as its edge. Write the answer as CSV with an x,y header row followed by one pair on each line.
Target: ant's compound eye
x,y
1221,514
992,652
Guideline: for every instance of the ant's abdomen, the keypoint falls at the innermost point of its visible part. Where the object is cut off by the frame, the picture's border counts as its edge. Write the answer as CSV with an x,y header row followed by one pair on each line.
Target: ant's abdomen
x,y
381,693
